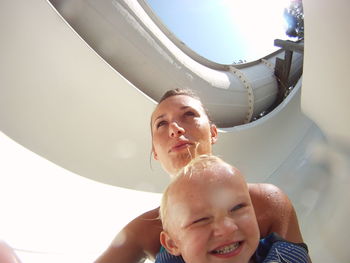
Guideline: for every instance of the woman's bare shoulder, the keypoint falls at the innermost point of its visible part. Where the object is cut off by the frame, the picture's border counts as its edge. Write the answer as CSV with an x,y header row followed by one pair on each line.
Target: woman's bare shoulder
x,y
274,211
145,230
149,217
267,198
265,190
138,240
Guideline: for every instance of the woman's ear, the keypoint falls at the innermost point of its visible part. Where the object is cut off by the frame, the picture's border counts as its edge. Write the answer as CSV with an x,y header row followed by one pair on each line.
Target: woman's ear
x,y
214,133
169,244
154,153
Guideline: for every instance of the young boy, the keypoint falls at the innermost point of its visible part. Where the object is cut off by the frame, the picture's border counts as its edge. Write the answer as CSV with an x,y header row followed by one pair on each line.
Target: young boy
x,y
207,216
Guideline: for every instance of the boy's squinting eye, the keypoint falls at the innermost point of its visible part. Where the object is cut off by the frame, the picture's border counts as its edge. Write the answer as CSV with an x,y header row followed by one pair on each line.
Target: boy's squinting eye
x,y
203,219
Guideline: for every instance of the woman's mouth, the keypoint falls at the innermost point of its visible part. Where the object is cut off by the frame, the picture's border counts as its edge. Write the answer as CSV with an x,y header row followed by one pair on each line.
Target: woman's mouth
x,y
180,146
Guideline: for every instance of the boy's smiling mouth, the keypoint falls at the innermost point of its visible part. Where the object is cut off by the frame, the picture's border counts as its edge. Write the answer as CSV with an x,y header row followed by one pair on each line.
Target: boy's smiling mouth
x,y
228,250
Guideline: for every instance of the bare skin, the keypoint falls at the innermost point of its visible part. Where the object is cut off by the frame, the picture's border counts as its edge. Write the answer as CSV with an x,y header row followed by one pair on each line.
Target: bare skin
x,y
143,232
142,240
7,254
180,130
207,214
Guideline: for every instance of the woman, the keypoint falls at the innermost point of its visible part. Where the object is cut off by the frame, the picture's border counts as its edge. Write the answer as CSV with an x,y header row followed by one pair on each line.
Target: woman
x,y
181,130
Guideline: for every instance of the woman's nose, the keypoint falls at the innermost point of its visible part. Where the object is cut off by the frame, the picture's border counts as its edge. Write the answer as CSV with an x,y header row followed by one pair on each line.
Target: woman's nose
x,y
175,130
224,226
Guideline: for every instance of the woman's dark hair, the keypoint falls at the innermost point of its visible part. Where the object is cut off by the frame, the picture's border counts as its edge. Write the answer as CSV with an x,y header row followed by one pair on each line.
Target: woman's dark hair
x,y
175,92
186,92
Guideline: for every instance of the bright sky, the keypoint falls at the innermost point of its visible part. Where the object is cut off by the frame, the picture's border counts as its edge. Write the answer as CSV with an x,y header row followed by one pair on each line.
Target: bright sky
x,y
225,30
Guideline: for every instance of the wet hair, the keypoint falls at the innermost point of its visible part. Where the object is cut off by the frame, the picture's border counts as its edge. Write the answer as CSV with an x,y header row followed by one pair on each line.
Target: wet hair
x,y
195,167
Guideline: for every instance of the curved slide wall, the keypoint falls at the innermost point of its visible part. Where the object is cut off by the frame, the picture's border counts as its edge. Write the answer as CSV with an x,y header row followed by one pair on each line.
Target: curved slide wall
x,y
129,39
62,101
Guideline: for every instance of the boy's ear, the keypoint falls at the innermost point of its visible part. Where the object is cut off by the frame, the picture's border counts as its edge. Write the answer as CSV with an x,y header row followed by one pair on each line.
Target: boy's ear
x,y
214,133
169,244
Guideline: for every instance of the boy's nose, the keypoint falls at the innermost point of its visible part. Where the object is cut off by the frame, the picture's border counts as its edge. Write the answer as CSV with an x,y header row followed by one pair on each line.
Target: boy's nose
x,y
224,226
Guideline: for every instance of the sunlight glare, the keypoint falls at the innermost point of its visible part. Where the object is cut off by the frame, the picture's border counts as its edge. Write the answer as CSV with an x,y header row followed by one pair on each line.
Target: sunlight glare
x,y
257,22
50,212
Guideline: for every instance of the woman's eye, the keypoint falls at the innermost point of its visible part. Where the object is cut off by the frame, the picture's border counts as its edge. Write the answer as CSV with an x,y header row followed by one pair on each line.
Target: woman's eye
x,y
189,113
237,207
161,123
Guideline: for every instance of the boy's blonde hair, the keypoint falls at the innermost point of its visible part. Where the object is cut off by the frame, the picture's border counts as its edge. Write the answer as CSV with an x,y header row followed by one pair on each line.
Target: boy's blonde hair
x,y
196,166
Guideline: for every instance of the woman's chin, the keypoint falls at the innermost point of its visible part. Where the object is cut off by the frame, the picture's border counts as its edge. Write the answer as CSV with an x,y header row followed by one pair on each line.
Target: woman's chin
x,y
181,161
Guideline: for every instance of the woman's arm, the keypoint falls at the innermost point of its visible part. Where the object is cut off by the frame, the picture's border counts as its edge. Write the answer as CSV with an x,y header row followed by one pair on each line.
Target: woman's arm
x,y
7,254
275,212
137,241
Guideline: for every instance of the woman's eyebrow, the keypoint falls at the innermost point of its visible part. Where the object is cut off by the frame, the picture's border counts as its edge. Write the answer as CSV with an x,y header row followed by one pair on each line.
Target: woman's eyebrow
x,y
185,107
159,117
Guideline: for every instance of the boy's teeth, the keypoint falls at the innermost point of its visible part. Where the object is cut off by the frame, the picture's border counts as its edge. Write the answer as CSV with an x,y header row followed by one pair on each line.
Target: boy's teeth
x,y
227,249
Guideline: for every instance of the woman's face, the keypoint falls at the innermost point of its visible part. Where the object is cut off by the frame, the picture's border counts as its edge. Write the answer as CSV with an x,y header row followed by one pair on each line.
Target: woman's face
x,y
180,131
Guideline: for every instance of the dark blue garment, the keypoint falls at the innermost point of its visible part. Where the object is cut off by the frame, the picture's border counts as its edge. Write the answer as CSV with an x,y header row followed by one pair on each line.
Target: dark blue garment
x,y
272,248
165,257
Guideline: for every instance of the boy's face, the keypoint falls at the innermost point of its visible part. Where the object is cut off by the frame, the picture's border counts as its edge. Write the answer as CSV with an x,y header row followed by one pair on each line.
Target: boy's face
x,y
211,218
